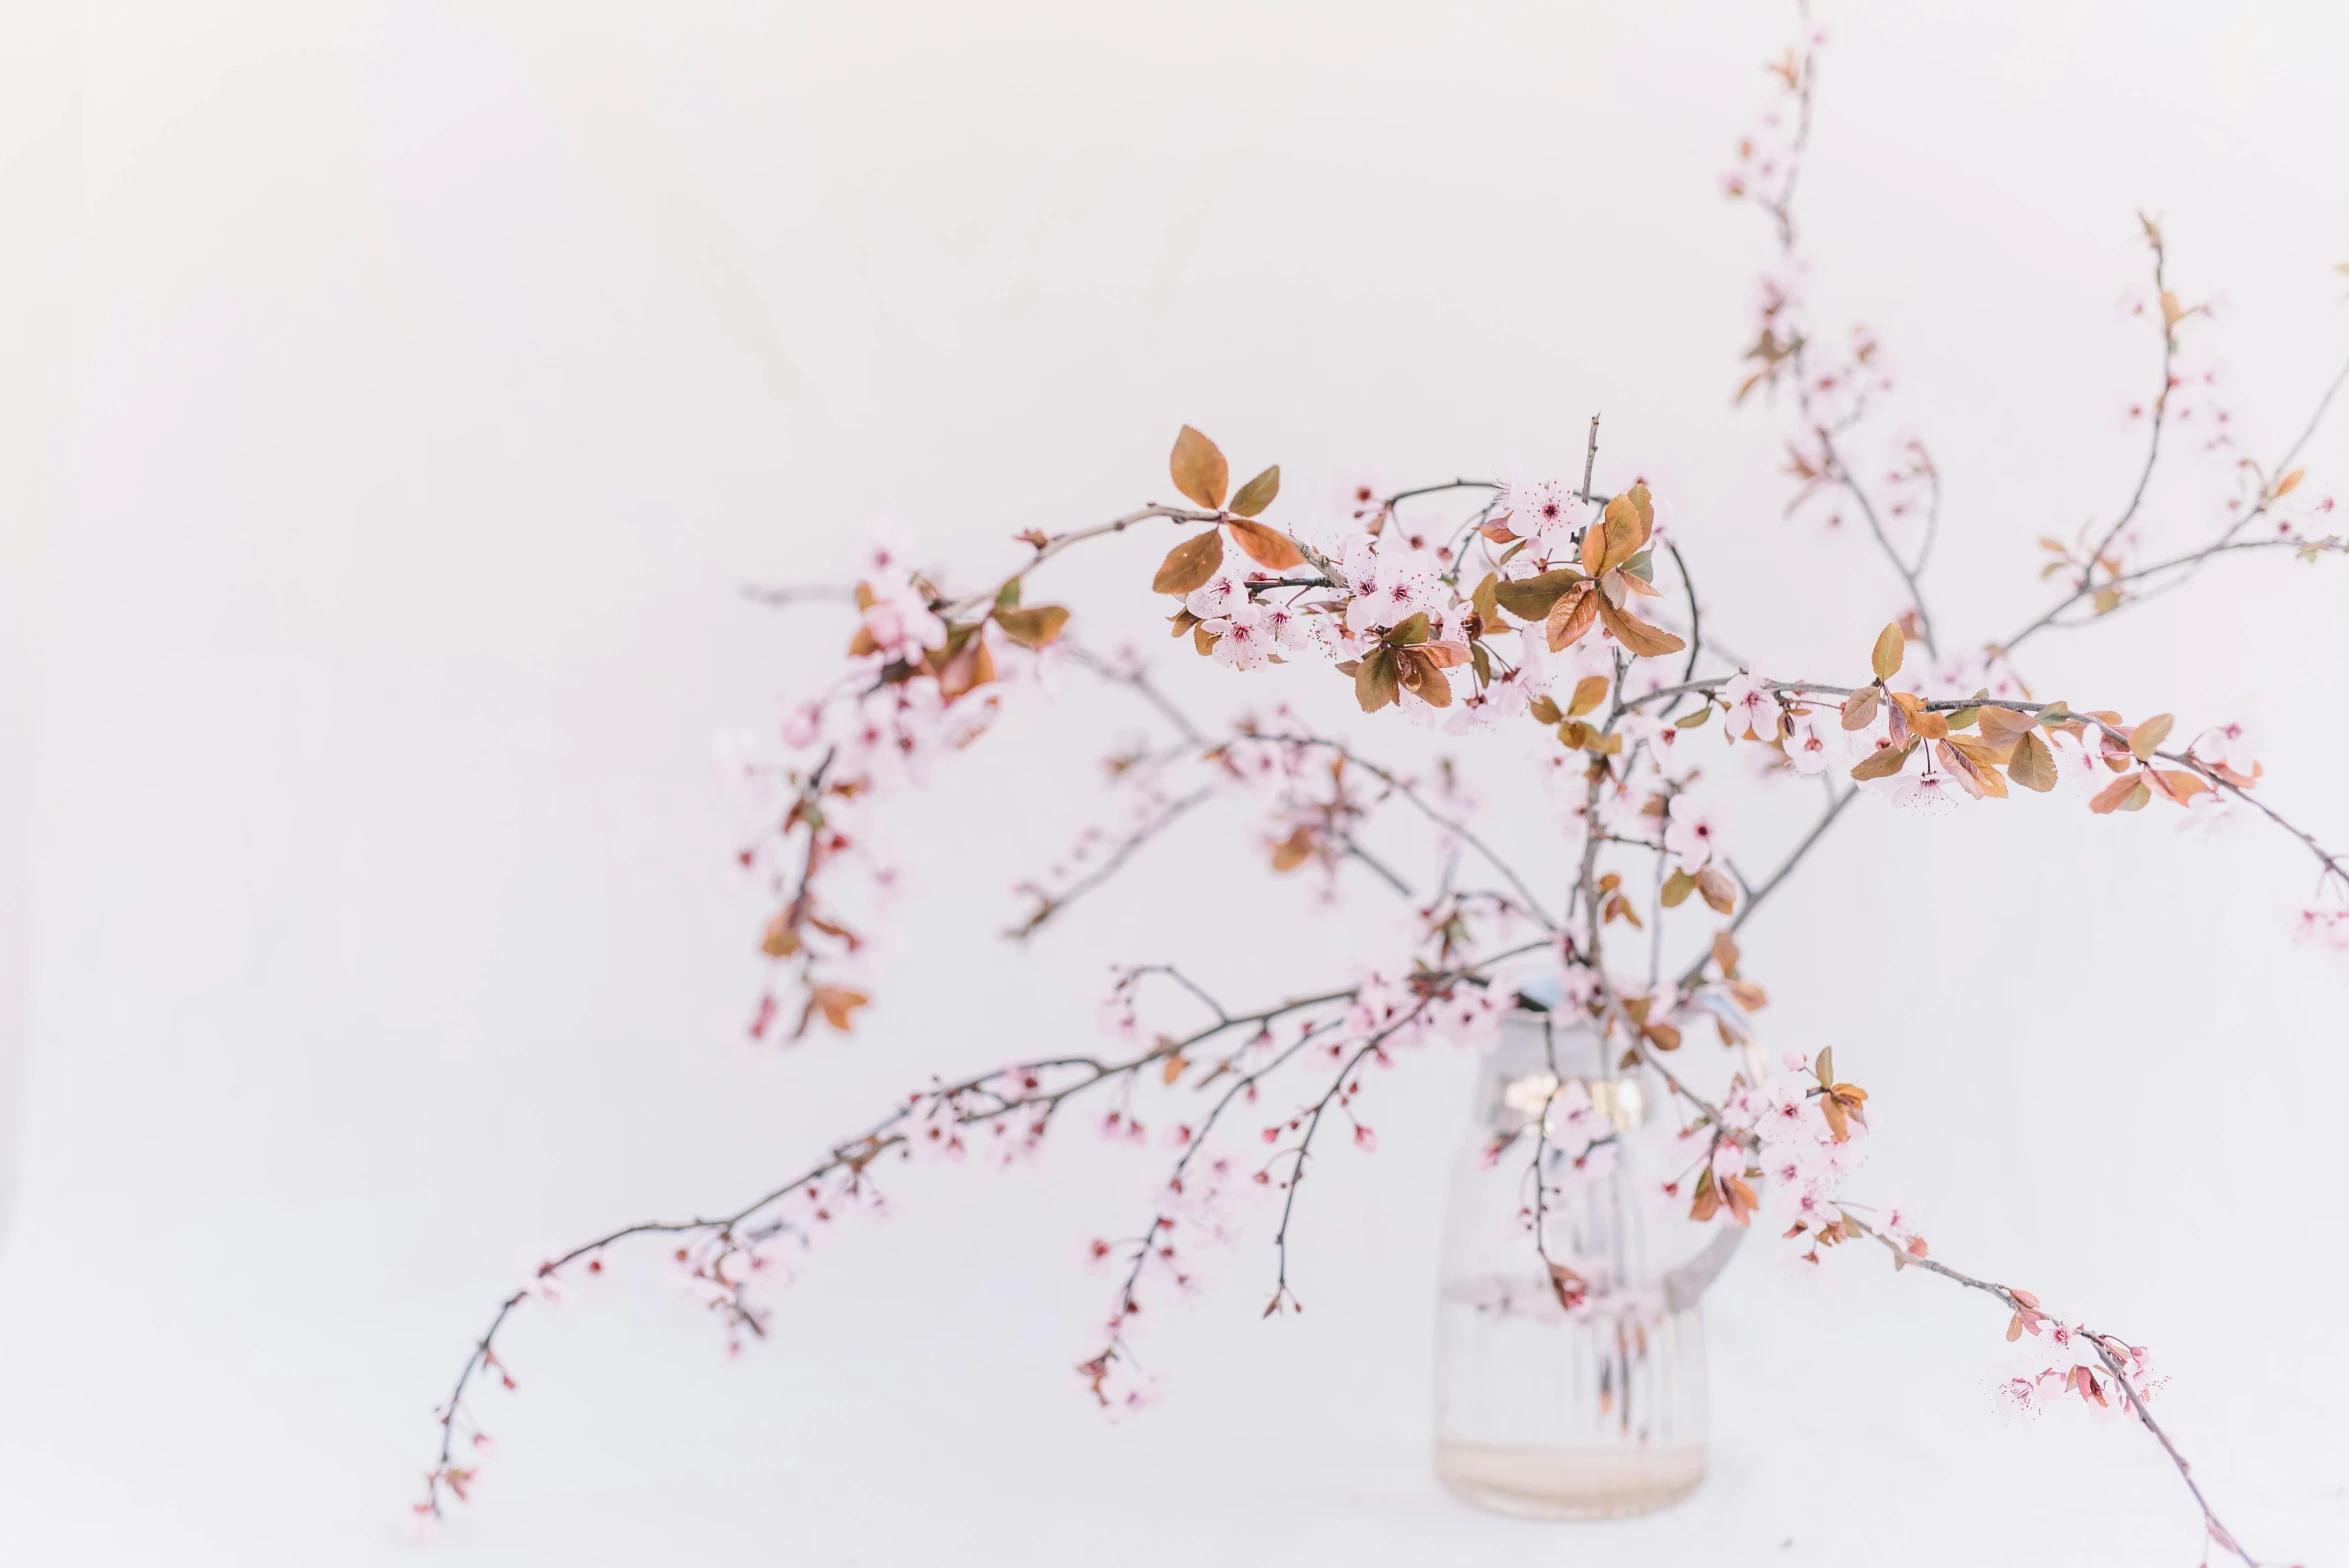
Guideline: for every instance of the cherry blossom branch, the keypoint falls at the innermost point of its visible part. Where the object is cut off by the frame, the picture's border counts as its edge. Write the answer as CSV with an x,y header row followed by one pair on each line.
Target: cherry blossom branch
x,y
1138,681
2191,561
1050,904
1028,1092
1048,546
1303,1150
1612,1014
2161,401
1754,896
2025,1307
1532,906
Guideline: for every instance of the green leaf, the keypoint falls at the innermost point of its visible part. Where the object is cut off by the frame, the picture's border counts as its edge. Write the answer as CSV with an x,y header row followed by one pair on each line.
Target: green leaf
x,y
2146,738
1375,681
1257,493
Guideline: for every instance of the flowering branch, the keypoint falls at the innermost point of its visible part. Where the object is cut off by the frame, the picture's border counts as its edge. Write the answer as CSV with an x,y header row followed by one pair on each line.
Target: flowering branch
x,y
1489,606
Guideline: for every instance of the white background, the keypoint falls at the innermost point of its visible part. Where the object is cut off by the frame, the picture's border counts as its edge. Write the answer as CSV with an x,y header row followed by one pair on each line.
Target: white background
x,y
439,372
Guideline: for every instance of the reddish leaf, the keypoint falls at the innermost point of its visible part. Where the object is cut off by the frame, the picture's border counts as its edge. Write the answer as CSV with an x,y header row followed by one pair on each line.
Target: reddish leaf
x,y
1270,549
1573,615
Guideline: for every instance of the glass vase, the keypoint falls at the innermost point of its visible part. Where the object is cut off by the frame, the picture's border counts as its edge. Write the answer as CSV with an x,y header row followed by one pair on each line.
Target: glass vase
x,y
1575,1391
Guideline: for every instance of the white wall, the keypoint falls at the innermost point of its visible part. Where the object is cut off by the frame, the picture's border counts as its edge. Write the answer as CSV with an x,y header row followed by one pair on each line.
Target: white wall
x,y
442,370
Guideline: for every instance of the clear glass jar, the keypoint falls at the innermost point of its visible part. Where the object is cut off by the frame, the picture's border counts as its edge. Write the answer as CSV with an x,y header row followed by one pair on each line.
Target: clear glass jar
x,y
1542,1409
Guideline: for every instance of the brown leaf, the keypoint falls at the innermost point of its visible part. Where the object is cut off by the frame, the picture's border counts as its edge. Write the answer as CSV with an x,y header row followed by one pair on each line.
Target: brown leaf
x,y
1443,655
1202,641
1651,642
1486,600
2126,793
1589,692
1960,767
1375,682
1677,887
782,938
1545,711
1837,1123
1980,752
1422,675
1173,1068
1256,495
2147,737
1824,1068
1624,532
1531,598
1270,549
964,664
2184,786
1890,648
2003,728
1293,851
1032,628
1199,470
836,1003
1645,505
1570,1287
1707,1202
1412,629
1717,889
2286,485
1725,954
1573,615
2033,764
1594,548
1922,722
1859,709
1884,762
1190,564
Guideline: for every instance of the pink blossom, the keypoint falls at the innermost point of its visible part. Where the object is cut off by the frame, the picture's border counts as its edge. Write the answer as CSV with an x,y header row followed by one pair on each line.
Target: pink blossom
x,y
1926,792
1241,639
1547,509
1689,834
2229,745
1219,596
1401,584
900,625
1753,710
